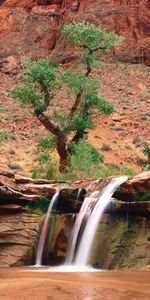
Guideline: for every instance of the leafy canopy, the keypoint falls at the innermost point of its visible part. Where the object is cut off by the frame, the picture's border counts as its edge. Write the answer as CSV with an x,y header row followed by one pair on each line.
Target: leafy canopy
x,y
39,81
90,36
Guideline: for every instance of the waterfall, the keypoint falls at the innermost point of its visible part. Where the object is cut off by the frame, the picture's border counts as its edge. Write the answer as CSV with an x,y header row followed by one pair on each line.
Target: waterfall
x,y
84,210
45,230
103,199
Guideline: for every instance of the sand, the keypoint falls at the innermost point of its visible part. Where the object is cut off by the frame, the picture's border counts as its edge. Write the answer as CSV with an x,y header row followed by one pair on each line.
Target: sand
x,y
25,284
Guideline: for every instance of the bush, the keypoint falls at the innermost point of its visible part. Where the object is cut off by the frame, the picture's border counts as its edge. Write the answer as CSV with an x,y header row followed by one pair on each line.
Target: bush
x,y
46,167
144,197
4,135
40,207
106,147
129,171
85,160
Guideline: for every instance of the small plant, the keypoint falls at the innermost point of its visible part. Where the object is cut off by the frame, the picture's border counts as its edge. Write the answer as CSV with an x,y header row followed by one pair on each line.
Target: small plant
x,y
144,197
46,167
106,147
128,147
2,109
129,171
4,135
145,162
136,140
3,55
16,118
113,166
40,207
85,160
14,166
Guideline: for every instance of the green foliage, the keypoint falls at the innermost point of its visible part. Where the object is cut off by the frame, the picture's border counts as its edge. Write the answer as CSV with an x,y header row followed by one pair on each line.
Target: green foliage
x,y
4,135
40,207
85,160
39,79
136,140
89,35
73,81
111,170
46,167
89,99
41,82
129,171
142,197
105,147
14,166
82,121
47,143
60,119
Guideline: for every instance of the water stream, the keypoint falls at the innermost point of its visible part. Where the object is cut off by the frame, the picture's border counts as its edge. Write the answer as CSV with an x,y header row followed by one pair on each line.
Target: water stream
x,y
85,226
45,230
103,199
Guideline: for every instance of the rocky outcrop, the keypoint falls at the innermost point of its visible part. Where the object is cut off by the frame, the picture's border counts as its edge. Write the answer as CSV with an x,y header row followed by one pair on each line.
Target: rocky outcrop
x,y
122,242
17,191
17,239
33,28
138,185
138,208
125,225
21,191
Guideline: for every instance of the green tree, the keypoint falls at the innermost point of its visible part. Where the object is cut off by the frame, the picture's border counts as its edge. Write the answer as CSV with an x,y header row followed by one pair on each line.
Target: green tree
x,y
42,81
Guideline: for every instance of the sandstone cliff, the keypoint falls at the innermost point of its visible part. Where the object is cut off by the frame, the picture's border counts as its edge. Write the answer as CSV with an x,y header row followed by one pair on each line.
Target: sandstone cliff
x,y
123,234
32,28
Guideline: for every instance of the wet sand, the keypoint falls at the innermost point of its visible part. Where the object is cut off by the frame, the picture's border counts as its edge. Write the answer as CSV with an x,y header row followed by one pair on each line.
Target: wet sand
x,y
22,284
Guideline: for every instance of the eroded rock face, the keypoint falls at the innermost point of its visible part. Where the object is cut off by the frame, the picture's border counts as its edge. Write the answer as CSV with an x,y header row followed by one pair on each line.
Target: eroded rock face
x,y
33,28
138,185
17,239
122,242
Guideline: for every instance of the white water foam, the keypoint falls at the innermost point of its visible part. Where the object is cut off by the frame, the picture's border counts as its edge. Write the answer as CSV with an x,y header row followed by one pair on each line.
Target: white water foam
x,y
85,246
64,269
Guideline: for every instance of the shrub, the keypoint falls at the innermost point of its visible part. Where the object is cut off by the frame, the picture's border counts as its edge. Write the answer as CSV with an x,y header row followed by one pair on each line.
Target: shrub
x,y
85,160
40,207
105,147
4,135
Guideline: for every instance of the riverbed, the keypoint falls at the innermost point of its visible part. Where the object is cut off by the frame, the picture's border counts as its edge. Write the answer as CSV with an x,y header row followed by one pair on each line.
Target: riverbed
x,y
28,284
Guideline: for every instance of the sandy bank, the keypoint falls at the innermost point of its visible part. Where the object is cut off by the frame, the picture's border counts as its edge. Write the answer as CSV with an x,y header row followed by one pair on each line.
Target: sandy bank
x,y
16,284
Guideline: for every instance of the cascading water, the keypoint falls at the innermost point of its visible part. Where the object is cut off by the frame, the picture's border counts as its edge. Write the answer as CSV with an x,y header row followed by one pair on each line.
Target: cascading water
x,y
75,231
84,229
103,199
45,229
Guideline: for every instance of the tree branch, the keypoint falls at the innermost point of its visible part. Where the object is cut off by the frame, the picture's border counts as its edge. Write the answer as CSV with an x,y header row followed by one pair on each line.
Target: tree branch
x,y
61,139
91,50
74,107
47,123
46,94
88,70
78,136
79,95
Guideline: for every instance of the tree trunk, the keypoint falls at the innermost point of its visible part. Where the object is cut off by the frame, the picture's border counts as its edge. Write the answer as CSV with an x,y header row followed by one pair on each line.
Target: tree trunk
x,y
61,140
63,153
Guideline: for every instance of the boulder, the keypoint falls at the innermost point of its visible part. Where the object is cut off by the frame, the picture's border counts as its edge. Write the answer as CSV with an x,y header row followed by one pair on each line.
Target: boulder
x,y
10,65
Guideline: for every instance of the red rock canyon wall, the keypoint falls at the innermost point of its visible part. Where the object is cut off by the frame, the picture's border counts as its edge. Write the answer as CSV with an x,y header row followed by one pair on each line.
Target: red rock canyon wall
x,y
33,27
